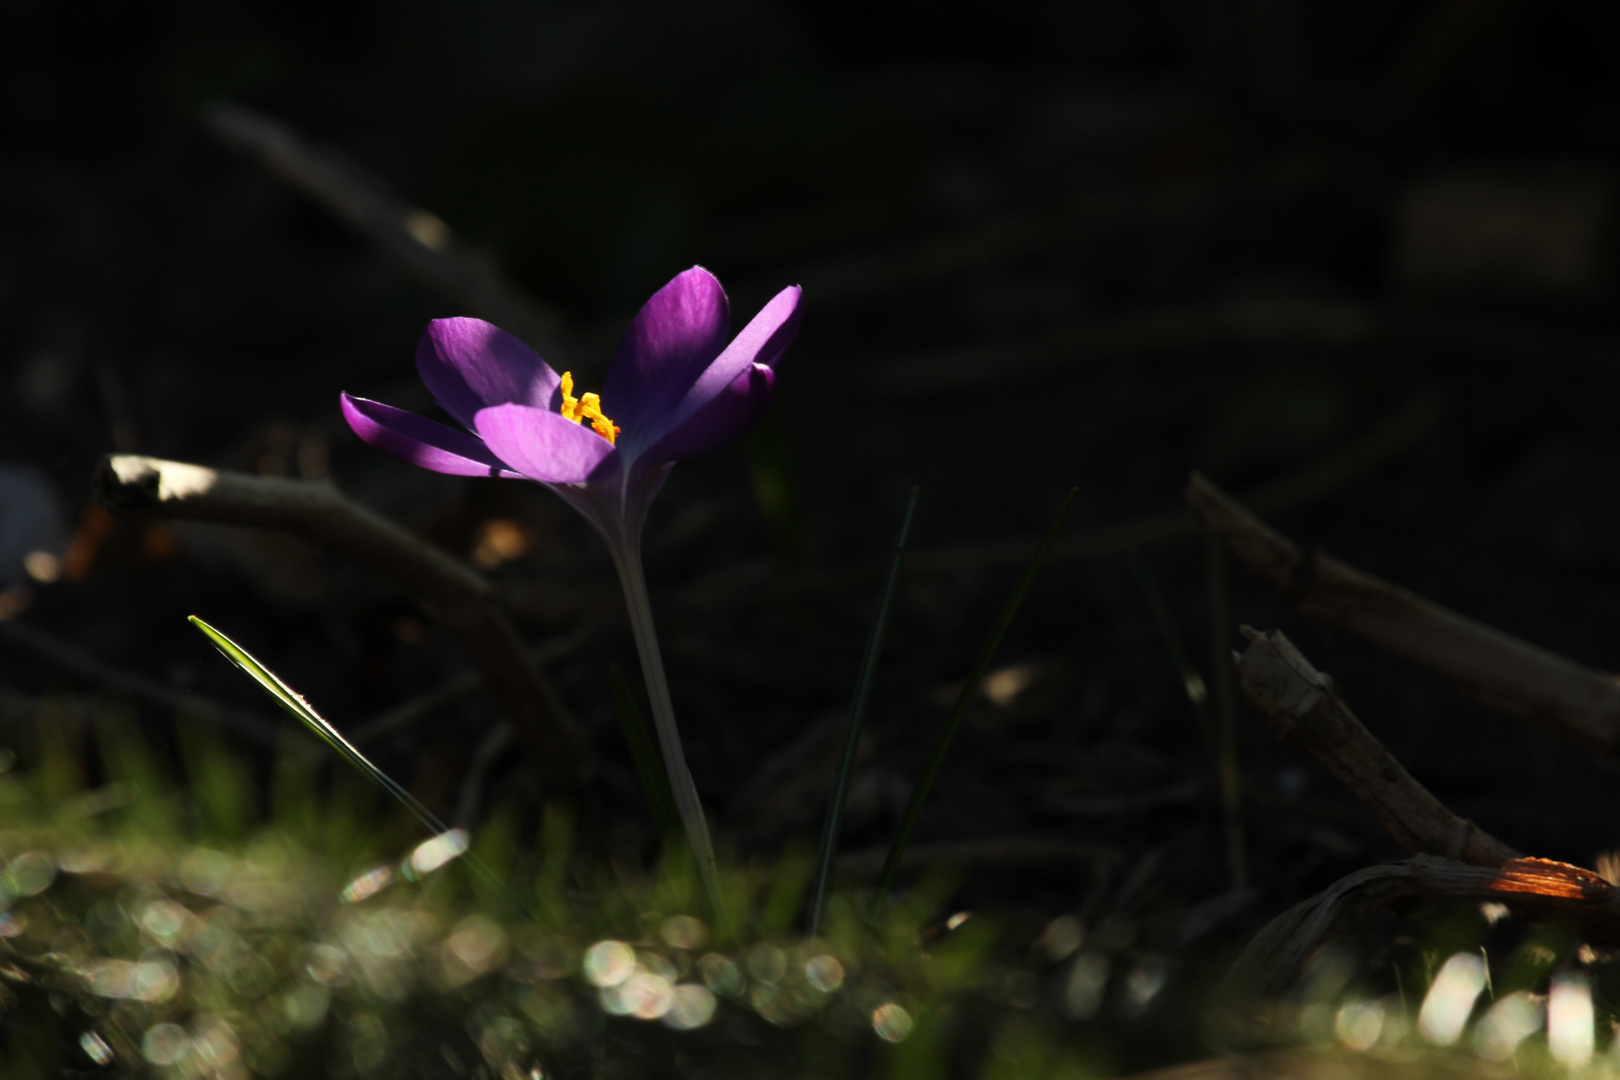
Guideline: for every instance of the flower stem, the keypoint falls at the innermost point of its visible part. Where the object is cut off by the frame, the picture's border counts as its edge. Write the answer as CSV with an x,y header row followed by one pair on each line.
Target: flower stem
x,y
634,583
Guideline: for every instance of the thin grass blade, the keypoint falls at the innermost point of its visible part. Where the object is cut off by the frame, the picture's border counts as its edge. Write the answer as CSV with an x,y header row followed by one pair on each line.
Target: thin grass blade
x,y
970,690
644,754
833,824
294,703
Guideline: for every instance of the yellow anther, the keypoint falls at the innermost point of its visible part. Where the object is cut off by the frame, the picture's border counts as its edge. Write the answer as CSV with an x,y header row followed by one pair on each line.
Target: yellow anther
x,y
586,407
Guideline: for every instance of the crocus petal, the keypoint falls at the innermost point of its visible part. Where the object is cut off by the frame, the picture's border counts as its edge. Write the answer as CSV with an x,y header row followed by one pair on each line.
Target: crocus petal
x,y
470,364
674,337
723,417
543,446
761,344
420,441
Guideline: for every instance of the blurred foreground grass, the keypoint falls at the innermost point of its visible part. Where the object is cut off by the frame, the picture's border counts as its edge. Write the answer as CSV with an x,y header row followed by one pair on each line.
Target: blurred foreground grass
x,y
158,922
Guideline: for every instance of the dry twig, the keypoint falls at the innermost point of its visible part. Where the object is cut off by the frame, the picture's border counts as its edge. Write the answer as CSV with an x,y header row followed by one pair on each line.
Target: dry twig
x,y
1534,890
457,597
1300,704
410,236
1496,669
1452,857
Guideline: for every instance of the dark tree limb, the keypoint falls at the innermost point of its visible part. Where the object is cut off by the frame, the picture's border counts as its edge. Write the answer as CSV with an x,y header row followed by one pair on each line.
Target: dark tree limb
x,y
1496,669
1300,704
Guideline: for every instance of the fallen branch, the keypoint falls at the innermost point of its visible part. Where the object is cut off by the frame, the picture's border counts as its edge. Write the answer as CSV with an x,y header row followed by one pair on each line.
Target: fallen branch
x,y
1300,704
409,236
454,595
1533,890
1495,669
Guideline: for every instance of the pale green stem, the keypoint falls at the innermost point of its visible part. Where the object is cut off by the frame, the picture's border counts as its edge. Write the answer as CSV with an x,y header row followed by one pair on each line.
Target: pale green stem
x,y
681,787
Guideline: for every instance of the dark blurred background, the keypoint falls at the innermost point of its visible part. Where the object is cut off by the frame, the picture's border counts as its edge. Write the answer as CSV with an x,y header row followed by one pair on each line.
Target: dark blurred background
x,y
1042,244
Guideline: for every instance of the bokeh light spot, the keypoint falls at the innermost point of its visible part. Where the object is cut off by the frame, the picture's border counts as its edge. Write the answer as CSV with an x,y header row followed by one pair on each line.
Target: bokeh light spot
x,y
1359,1023
205,871
432,854
367,884
720,974
164,919
891,1022
692,1007
1083,991
767,963
166,1044
29,873
1451,999
609,963
684,932
476,943
1569,1020
95,1048
1509,1022
824,973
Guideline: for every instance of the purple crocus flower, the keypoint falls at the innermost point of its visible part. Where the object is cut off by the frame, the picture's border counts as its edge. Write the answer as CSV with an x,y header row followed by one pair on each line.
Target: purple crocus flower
x,y
675,390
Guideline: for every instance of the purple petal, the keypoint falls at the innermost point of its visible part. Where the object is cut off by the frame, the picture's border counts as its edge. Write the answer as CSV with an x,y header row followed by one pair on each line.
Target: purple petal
x,y
543,446
760,345
673,338
420,441
470,364
724,417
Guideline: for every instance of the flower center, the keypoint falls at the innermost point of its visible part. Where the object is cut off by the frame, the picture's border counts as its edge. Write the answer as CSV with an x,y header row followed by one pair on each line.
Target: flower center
x,y
586,407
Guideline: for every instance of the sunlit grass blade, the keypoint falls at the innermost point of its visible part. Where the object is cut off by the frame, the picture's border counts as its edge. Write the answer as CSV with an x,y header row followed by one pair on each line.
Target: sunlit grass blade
x,y
290,700
970,690
644,755
1228,772
833,824
294,703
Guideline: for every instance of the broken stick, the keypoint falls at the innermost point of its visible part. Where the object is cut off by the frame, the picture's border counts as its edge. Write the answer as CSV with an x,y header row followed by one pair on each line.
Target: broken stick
x,y
1300,704
1493,668
453,594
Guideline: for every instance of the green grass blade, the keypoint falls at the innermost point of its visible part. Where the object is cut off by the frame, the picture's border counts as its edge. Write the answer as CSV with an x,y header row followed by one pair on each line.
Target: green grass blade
x,y
833,824
294,703
970,690
290,700
644,754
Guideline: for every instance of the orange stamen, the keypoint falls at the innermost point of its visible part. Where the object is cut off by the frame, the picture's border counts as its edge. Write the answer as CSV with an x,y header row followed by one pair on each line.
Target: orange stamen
x,y
586,407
